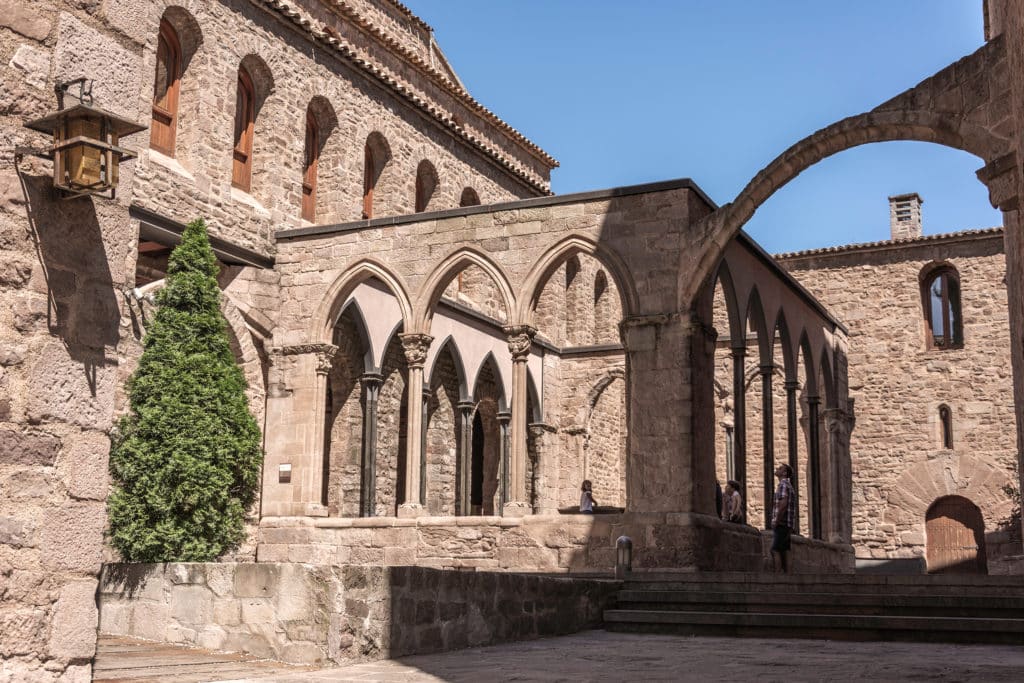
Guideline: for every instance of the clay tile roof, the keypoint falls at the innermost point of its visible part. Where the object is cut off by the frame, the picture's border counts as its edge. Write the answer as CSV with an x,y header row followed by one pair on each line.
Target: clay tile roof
x,y
437,76
409,13
882,244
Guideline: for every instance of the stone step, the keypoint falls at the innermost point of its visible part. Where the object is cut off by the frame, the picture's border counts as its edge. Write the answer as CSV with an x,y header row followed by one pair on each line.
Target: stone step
x,y
751,583
819,626
901,604
934,580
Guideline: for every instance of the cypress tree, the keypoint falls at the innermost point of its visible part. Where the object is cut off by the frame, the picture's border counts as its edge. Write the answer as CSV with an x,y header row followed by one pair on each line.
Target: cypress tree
x,y
186,458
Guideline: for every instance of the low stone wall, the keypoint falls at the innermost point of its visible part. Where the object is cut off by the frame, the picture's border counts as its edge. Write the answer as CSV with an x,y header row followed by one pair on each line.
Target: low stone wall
x,y
547,543
329,614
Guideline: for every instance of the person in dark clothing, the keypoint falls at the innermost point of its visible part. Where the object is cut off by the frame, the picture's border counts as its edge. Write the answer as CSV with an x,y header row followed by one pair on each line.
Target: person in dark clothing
x,y
783,515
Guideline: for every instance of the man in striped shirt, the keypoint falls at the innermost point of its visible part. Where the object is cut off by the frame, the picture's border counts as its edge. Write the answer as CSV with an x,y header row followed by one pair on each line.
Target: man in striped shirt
x,y
783,514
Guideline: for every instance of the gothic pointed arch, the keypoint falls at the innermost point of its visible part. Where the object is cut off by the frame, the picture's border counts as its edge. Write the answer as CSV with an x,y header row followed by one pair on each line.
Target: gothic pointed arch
x,y
450,345
548,263
343,286
434,285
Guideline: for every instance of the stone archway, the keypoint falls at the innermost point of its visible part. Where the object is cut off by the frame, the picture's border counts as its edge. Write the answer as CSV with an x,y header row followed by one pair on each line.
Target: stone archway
x,y
955,537
944,109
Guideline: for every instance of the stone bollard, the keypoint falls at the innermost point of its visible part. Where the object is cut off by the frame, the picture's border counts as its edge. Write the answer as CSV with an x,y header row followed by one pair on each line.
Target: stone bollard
x,y
623,556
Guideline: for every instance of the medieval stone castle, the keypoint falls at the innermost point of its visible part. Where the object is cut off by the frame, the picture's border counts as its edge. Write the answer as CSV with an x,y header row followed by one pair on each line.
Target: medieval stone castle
x,y
439,350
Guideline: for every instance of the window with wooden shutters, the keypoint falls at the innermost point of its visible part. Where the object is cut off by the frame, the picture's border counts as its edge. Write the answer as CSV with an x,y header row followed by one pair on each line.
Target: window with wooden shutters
x,y
941,294
369,179
312,158
245,113
165,90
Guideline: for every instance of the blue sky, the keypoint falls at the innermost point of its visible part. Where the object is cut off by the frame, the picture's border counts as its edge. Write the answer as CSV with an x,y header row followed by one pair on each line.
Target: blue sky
x,y
631,92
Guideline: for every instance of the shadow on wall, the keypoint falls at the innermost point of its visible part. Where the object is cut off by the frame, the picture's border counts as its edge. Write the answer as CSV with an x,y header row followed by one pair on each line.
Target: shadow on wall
x,y
81,306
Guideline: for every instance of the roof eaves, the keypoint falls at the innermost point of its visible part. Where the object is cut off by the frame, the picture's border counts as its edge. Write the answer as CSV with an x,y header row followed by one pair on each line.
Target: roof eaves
x,y
382,75
455,89
884,244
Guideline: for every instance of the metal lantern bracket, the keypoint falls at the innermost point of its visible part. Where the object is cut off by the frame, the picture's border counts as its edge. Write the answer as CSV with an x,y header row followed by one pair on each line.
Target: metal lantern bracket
x,y
86,152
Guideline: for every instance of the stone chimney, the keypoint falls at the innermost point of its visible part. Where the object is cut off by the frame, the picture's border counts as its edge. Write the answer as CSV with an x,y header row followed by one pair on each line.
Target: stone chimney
x,y
905,216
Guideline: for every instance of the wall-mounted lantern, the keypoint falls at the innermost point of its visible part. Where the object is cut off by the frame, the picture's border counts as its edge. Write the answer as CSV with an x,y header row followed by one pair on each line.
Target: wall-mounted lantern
x,y
86,151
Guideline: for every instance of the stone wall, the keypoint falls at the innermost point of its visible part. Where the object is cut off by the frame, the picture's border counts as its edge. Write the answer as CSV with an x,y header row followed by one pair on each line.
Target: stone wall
x,y
546,543
337,615
900,466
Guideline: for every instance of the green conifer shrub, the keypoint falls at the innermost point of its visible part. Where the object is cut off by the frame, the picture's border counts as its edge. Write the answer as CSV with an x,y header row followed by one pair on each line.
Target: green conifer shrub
x,y
186,459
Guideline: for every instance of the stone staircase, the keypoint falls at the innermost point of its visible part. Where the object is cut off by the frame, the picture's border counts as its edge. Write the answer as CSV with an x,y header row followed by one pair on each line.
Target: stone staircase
x,y
958,609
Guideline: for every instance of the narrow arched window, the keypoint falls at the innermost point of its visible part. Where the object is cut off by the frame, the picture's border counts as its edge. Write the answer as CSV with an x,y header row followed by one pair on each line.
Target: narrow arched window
x,y
245,115
946,422
309,169
426,183
600,286
469,198
941,294
369,180
165,90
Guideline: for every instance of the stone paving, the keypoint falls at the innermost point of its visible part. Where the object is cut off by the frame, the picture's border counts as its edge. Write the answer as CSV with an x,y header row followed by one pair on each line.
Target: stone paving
x,y
605,656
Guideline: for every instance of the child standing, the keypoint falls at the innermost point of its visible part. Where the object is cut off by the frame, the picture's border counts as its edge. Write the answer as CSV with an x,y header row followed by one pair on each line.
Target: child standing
x,y
587,501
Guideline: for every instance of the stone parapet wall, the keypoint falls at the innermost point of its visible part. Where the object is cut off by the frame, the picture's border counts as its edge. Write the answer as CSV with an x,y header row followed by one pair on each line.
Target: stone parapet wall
x,y
548,543
308,614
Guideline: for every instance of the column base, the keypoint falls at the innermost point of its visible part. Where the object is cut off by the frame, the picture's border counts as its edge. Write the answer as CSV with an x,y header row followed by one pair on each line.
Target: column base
x,y
516,509
411,510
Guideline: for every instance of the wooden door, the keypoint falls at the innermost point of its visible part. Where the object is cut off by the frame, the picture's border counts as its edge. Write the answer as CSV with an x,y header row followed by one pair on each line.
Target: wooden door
x,y
955,537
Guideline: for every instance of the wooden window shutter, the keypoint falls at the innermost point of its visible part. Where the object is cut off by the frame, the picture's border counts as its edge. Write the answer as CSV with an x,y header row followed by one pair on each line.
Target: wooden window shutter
x,y
165,90
241,169
368,181
311,162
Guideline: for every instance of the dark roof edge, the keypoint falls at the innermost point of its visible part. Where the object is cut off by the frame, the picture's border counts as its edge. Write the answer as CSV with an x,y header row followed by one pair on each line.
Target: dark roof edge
x,y
529,203
962,235
784,274
167,231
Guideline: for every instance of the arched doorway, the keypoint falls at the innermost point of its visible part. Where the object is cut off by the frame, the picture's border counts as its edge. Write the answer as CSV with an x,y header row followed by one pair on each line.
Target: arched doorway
x,y
955,537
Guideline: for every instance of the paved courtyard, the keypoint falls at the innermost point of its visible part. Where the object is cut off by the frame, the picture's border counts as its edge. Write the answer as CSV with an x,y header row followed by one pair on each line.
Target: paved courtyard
x,y
604,656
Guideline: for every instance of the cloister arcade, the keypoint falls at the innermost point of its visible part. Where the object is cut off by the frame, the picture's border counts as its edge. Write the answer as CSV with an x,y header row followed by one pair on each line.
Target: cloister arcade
x,y
453,403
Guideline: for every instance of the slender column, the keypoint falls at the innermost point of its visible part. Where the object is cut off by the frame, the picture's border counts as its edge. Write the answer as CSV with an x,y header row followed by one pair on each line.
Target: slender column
x,y
739,419
504,466
520,339
545,468
415,347
794,447
423,446
814,458
465,457
768,435
368,482
314,494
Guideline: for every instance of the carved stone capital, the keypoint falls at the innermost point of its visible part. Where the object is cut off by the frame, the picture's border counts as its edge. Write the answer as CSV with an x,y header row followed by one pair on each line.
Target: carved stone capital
x,y
520,340
1000,177
416,347
325,359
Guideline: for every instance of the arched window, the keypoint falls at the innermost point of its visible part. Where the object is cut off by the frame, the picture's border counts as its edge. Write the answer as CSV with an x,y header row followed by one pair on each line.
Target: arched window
x,y
426,183
165,90
946,423
245,115
369,180
941,294
310,162
469,197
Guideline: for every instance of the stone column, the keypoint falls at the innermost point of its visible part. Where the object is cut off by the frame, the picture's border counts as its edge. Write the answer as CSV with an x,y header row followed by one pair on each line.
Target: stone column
x,y
739,418
814,461
520,339
504,470
465,457
415,347
368,481
314,494
792,434
768,436
545,468
423,445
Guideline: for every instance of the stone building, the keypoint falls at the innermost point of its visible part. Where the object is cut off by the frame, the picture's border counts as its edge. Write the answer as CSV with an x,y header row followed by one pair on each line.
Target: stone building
x,y
929,368
437,348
